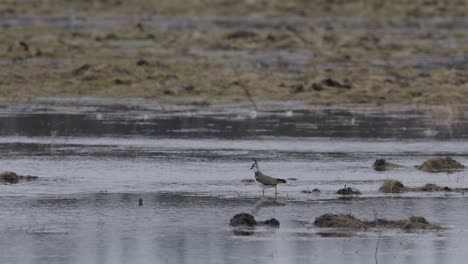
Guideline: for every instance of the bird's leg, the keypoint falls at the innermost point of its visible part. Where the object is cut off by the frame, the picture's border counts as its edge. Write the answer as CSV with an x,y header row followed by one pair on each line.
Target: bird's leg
x,y
263,191
276,191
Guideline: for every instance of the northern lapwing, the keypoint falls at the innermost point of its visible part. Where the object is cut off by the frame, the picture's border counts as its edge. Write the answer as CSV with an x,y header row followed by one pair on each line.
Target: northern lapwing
x,y
265,181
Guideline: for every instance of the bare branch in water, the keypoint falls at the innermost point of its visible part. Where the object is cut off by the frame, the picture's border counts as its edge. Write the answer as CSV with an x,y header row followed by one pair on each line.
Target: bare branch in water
x,y
244,87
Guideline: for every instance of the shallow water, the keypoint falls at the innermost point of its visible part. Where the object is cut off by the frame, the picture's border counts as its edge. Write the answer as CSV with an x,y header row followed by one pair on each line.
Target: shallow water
x,y
97,159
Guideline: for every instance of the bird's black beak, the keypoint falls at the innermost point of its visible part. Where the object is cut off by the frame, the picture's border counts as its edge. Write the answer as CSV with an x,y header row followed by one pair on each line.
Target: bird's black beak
x,y
254,164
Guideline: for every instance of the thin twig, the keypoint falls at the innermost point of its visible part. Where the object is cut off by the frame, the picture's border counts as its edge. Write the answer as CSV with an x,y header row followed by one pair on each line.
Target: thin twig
x,y
244,87
376,219
377,249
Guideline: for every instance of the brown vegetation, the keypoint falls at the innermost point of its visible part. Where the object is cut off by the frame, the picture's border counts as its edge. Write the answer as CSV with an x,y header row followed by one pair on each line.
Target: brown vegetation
x,y
446,164
183,51
392,186
11,177
347,221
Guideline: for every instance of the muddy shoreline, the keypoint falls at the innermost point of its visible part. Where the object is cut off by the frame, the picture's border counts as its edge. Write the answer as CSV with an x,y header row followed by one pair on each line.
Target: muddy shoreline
x,y
205,54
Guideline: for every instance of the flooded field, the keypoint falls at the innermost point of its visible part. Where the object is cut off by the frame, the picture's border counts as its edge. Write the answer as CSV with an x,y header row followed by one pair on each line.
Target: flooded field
x,y
96,160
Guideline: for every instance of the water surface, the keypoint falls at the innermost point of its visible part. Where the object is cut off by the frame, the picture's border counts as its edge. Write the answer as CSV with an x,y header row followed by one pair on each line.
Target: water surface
x,y
95,160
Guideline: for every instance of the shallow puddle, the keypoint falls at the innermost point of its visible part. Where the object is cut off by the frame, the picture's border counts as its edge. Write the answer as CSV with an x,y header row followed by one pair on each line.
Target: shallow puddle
x,y
97,159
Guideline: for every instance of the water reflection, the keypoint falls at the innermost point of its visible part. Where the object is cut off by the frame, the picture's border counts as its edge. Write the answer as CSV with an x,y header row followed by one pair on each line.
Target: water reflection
x,y
265,202
112,228
435,122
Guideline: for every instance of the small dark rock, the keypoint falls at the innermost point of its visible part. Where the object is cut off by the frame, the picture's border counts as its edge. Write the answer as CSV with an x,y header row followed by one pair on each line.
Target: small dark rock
x,y
348,191
243,219
272,223
140,202
383,165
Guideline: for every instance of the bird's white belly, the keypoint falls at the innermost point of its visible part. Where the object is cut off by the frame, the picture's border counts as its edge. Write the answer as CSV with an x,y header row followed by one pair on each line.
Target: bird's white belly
x,y
263,186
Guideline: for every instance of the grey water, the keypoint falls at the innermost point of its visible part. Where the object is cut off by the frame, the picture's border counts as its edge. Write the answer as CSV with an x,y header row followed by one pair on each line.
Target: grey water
x,y
95,160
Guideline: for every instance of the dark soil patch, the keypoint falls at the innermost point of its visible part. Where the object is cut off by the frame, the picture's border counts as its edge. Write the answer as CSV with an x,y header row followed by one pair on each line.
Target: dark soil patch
x,y
446,164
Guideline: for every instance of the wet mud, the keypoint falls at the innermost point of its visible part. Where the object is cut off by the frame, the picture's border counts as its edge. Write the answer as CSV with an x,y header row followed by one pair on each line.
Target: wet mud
x,y
317,52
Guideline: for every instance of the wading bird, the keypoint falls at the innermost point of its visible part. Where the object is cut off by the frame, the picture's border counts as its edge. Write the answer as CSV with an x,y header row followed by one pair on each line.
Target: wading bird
x,y
265,181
